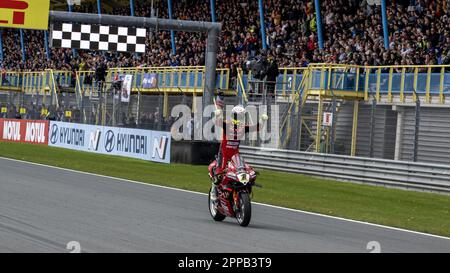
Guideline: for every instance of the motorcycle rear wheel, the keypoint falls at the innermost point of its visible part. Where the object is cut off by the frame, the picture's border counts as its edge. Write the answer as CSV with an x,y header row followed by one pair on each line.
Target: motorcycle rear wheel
x,y
244,213
215,214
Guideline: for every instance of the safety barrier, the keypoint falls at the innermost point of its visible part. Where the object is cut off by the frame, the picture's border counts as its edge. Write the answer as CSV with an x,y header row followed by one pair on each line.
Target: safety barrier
x,y
129,142
24,131
398,174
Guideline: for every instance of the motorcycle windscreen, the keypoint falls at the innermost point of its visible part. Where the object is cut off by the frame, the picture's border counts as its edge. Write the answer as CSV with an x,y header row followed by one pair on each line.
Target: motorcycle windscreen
x,y
238,162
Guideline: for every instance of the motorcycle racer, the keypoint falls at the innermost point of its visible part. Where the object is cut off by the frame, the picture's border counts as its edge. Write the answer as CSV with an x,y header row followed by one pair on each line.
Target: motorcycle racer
x,y
233,131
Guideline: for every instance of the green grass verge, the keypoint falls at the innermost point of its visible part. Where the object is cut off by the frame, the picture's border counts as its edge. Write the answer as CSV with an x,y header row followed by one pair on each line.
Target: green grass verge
x,y
425,212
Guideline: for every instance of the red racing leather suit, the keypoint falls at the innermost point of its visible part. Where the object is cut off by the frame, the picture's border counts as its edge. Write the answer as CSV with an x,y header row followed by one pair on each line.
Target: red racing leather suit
x,y
230,143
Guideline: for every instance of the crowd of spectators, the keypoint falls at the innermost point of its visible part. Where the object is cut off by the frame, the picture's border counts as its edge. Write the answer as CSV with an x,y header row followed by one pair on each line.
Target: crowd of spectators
x,y
419,33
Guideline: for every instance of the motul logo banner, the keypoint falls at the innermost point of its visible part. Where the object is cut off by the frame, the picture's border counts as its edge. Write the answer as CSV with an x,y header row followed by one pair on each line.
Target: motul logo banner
x,y
27,131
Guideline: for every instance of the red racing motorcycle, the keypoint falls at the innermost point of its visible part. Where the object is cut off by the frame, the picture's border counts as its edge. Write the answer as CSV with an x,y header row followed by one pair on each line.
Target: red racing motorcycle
x,y
233,192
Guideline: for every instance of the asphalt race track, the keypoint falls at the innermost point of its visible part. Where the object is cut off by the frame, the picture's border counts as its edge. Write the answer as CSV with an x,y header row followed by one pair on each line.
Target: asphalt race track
x,y
42,209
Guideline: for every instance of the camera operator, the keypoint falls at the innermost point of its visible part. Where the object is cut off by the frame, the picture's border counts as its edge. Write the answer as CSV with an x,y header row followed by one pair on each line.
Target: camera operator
x,y
272,75
266,69
258,66
100,73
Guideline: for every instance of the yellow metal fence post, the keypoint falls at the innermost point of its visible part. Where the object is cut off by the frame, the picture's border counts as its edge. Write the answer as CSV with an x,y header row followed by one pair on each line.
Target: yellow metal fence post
x,y
391,71
427,95
166,105
188,80
23,82
355,127
329,78
294,81
416,71
227,83
142,79
322,78
366,84
402,85
378,84
319,124
180,74
441,85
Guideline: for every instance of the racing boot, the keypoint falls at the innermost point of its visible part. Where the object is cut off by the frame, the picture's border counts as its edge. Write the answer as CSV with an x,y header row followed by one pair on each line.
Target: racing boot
x,y
214,192
216,177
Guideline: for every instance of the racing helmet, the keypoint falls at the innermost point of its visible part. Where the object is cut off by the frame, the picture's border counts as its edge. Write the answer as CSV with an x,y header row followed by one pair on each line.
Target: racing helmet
x,y
236,112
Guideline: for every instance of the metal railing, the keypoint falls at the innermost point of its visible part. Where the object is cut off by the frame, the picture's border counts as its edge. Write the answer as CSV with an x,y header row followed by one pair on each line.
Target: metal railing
x,y
168,79
34,82
385,83
165,79
398,174
287,82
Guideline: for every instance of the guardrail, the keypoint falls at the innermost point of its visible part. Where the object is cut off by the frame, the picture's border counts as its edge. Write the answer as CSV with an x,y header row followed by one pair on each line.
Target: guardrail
x,y
166,79
35,82
391,173
426,80
393,83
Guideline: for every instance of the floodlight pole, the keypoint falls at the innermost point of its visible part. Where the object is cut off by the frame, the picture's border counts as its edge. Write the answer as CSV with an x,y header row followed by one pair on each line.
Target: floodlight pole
x,y
22,45
132,7
263,24
47,50
319,23
172,33
99,7
213,10
385,24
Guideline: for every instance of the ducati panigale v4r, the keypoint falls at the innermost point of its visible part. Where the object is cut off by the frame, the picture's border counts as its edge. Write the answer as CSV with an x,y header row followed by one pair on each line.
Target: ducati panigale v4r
x,y
233,192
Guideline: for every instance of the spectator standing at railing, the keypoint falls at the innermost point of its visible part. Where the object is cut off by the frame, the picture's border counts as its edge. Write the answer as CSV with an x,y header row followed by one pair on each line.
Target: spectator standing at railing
x,y
272,75
3,113
31,112
51,113
11,111
4,79
17,114
131,122
82,66
100,73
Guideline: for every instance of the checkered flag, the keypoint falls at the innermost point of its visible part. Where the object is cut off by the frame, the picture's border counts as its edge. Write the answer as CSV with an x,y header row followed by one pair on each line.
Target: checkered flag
x,y
97,37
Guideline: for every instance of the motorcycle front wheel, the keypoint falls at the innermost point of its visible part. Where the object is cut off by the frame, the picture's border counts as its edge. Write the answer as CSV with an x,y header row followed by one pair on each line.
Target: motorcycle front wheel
x,y
215,214
244,211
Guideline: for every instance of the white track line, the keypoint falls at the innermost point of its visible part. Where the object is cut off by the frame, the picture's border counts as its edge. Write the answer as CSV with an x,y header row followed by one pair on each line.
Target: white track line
x,y
261,204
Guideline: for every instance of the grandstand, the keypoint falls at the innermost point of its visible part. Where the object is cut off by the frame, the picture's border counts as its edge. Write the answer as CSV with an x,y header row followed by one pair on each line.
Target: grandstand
x,y
387,102
419,35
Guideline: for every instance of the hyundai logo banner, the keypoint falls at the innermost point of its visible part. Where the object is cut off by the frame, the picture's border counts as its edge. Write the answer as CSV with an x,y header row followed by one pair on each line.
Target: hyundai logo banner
x,y
136,143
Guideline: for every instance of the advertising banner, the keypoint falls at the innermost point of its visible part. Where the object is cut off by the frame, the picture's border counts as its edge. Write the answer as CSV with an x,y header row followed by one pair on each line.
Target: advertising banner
x,y
327,119
31,14
135,143
26,131
150,80
126,88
